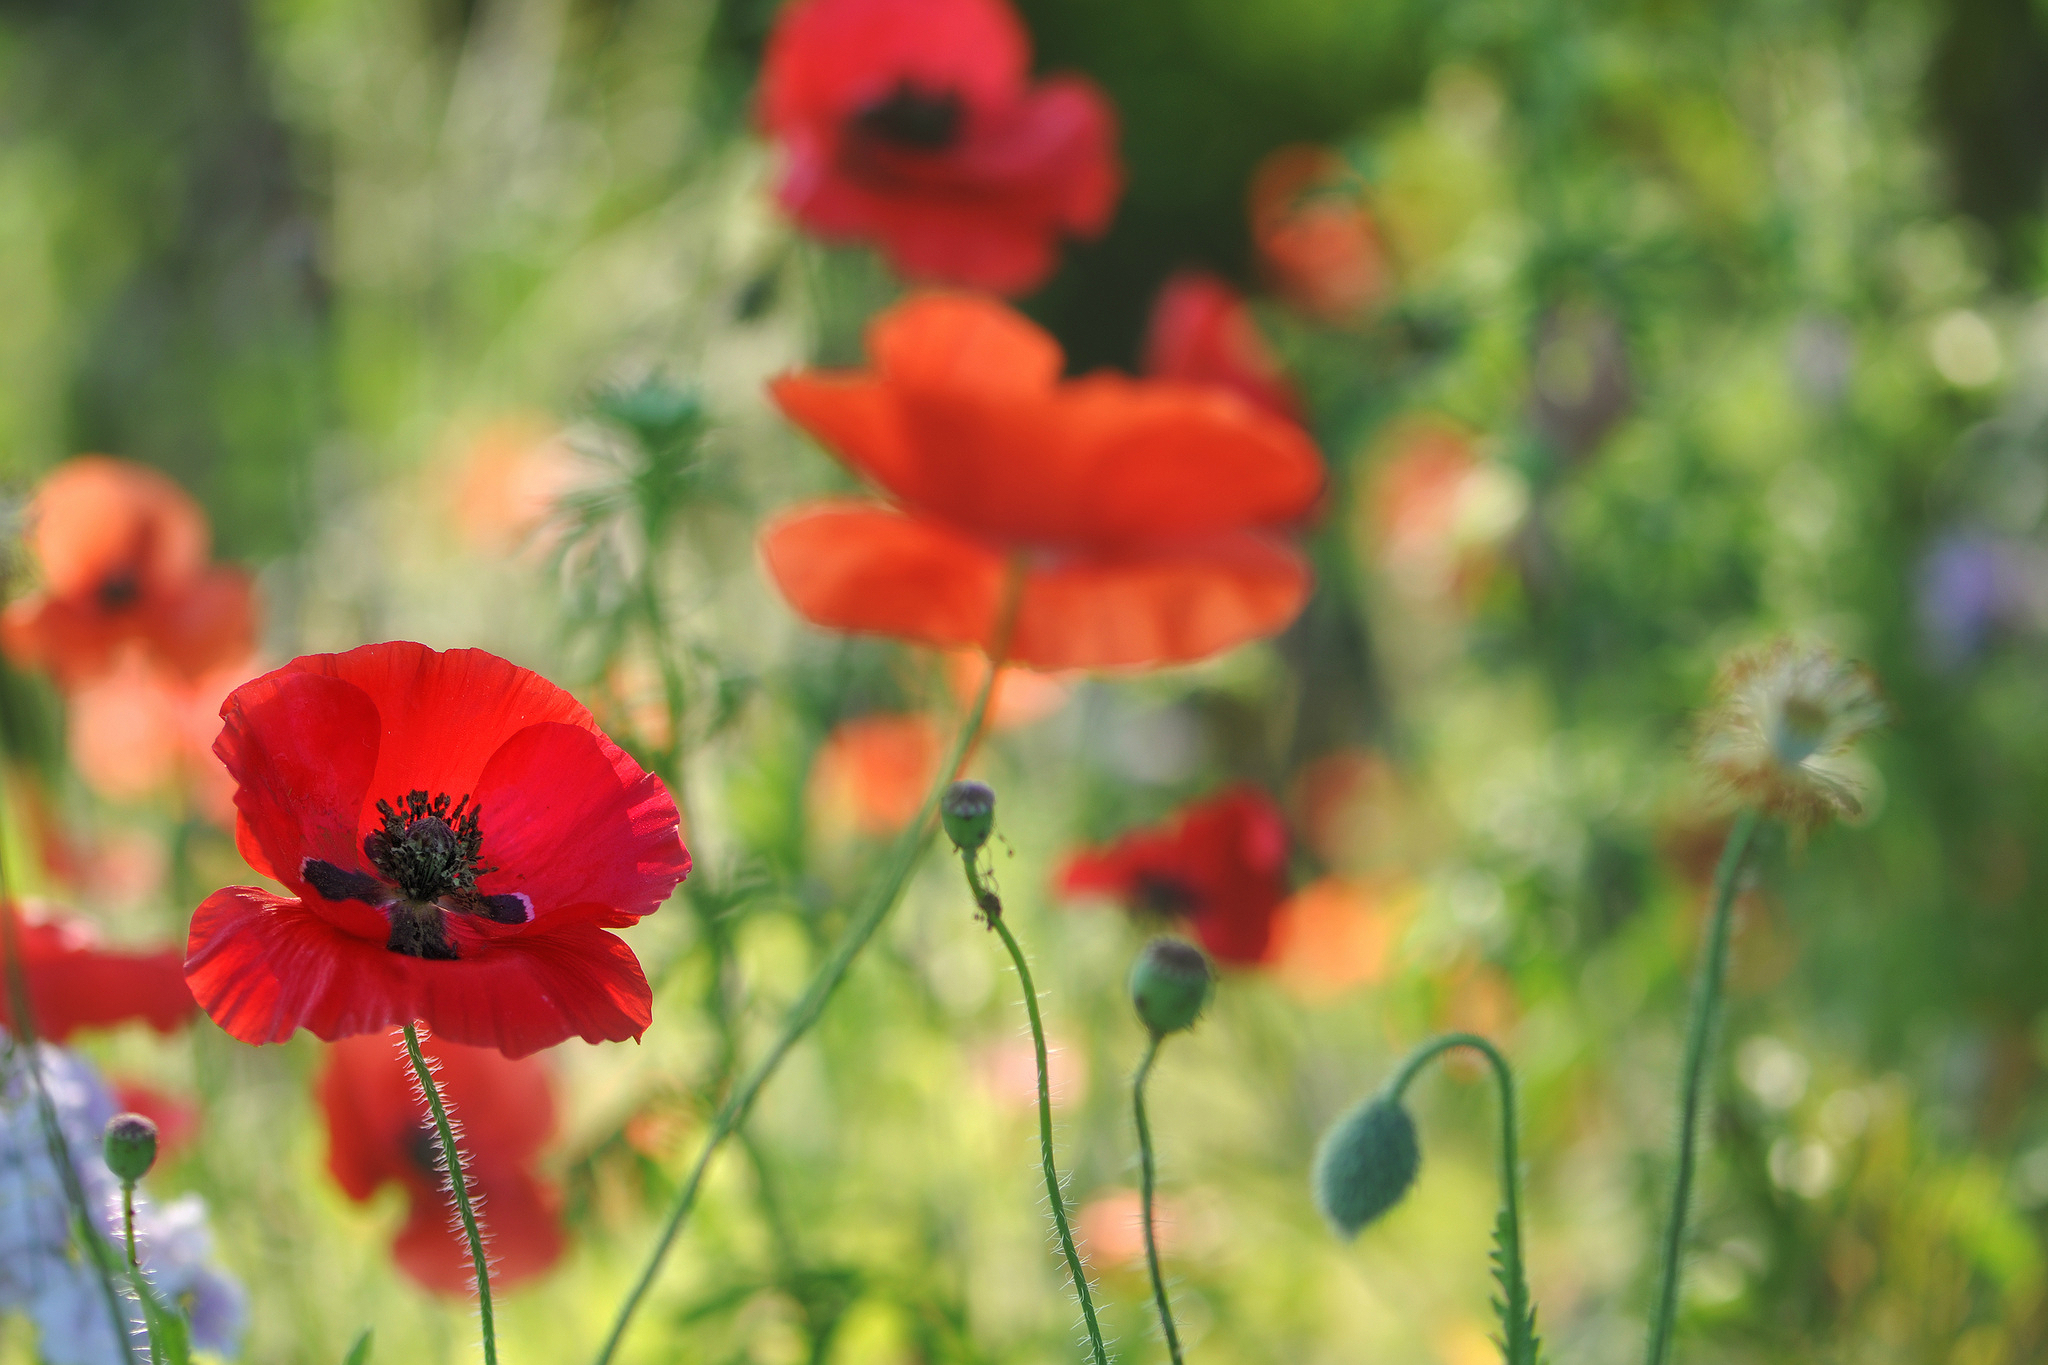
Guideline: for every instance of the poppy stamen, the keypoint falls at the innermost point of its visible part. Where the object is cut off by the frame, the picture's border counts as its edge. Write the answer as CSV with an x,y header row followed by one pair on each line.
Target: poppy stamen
x,y
427,848
118,591
912,118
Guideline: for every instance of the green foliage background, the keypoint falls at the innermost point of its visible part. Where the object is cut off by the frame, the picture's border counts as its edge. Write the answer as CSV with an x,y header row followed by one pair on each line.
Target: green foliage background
x,y
297,252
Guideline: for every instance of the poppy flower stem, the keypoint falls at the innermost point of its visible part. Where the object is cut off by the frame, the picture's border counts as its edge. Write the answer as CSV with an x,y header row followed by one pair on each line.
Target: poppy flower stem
x,y
1147,1177
1706,999
22,1044
1517,1311
458,1181
903,859
1055,1192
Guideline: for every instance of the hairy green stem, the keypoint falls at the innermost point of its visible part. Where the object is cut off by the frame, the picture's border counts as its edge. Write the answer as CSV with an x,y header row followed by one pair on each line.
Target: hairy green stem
x,y
458,1180
1054,1192
903,859
1706,999
1147,1175
1518,1342
128,1222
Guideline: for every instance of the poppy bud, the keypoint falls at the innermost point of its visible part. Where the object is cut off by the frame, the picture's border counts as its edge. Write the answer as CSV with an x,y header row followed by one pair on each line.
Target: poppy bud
x,y
1169,985
1365,1165
130,1146
969,814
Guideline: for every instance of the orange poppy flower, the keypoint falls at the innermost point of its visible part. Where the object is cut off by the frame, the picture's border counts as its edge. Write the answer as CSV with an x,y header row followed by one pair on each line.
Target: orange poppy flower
x,y
872,773
1144,513
123,552
139,729
1316,240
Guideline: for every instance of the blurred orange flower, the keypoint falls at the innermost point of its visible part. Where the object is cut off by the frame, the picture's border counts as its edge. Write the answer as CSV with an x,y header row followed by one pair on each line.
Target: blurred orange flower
x,y
1144,513
1436,509
136,730
1334,934
510,477
1316,240
1009,1070
1202,332
1111,1227
123,553
872,773
1021,695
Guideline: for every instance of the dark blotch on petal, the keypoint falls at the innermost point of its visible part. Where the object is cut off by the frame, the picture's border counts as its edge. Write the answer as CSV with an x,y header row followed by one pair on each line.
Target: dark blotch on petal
x,y
341,884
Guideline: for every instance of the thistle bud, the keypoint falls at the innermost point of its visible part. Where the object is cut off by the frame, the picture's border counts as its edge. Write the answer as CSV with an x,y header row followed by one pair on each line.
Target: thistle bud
x,y
1170,985
969,813
130,1145
1366,1164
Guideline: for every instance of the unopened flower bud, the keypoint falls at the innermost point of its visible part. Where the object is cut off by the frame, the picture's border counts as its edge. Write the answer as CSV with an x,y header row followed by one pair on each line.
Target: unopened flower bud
x,y
969,813
1170,985
1366,1164
130,1146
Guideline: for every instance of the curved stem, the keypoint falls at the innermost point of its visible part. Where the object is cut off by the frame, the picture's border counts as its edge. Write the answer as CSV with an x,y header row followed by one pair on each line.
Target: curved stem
x,y
458,1180
1518,1342
1053,1190
1706,999
910,846
1147,1174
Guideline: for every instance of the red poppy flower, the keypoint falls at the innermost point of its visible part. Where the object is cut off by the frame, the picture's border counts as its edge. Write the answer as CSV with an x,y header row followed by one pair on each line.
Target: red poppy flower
x,y
458,835
123,552
379,1130
1143,511
1202,332
73,983
1220,865
912,123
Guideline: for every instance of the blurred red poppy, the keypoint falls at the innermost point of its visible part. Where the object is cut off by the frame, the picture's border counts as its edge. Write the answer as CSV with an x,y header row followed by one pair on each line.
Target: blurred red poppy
x,y
1142,511
457,834
1219,865
176,1119
1202,332
379,1131
123,552
74,983
1316,240
912,123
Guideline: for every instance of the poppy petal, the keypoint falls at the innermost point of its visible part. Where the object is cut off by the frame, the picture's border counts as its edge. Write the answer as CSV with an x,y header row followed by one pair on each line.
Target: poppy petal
x,y
74,983
520,1216
302,748
860,567
1169,607
565,827
263,966
826,58
443,713
96,515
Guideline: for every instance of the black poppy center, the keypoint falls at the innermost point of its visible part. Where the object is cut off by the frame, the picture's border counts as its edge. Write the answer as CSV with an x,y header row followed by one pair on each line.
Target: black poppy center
x,y
914,118
428,847
1162,893
118,591
428,856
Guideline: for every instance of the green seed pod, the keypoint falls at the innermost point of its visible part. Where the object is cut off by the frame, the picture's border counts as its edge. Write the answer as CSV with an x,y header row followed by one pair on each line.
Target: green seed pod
x,y
1366,1164
130,1146
1170,984
969,812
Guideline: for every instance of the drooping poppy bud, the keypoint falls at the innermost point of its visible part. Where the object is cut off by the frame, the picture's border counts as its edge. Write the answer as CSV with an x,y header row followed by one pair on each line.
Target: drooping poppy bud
x,y
130,1146
1170,985
969,814
1366,1164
